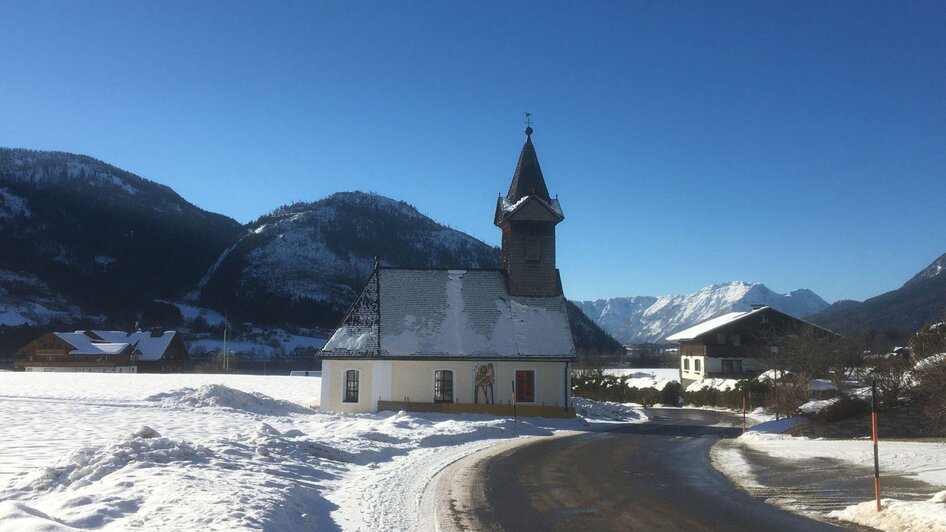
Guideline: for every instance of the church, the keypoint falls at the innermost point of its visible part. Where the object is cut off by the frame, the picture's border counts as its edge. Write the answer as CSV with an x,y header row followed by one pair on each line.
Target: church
x,y
481,341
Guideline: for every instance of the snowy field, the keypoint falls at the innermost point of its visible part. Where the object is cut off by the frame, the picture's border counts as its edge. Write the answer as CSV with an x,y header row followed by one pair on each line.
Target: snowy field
x,y
224,452
923,461
646,377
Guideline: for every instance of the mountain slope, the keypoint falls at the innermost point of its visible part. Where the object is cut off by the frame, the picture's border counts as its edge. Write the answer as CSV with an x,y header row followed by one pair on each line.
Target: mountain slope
x,y
85,242
644,319
898,313
305,263
98,237
590,339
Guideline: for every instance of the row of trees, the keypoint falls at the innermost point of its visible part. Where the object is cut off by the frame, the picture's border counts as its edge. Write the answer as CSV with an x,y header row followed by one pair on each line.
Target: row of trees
x,y
805,355
802,355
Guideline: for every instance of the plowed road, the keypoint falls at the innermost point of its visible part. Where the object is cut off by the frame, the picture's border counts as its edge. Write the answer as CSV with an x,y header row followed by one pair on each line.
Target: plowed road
x,y
654,476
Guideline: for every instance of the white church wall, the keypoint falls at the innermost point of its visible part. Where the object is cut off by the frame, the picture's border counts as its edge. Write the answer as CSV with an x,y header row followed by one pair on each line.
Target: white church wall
x,y
413,381
333,386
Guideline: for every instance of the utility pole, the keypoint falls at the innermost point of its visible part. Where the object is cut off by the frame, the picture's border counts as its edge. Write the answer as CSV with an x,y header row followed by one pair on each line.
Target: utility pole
x,y
873,423
226,356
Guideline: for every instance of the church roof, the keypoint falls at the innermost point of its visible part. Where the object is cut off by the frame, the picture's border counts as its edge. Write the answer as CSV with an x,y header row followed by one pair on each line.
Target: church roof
x,y
409,313
528,179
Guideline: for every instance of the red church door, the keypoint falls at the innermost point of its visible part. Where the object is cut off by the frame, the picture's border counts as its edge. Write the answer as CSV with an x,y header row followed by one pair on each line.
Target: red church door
x,y
525,386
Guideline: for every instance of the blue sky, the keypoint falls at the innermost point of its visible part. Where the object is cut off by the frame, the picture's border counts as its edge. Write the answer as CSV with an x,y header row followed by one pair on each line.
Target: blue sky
x,y
799,144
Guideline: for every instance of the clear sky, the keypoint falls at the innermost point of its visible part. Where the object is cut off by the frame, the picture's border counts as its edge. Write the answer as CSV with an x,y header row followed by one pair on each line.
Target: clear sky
x,y
799,144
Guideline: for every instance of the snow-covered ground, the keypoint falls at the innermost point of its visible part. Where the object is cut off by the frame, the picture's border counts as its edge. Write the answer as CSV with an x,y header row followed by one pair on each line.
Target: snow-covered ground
x,y
715,384
224,452
923,461
646,377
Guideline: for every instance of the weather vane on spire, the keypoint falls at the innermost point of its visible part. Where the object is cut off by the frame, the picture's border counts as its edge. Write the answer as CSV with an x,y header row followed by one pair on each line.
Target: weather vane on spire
x,y
528,123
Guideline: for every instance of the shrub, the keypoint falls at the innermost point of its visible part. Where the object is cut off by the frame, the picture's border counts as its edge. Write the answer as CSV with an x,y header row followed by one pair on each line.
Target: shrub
x,y
843,408
752,390
713,397
595,384
671,393
648,396
930,392
893,378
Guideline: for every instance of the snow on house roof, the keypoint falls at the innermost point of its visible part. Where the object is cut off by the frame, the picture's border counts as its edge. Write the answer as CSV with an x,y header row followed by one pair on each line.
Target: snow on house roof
x,y
715,323
451,313
710,325
114,342
86,345
151,347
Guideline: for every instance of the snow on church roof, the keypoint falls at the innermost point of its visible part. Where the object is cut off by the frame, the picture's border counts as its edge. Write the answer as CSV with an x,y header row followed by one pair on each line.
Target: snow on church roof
x,y
510,207
451,313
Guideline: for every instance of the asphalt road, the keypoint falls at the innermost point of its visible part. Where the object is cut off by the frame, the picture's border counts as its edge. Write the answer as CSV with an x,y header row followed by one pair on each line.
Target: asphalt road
x,y
655,476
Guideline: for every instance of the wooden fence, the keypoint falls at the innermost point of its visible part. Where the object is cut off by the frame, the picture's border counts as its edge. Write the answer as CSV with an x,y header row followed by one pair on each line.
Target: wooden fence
x,y
507,410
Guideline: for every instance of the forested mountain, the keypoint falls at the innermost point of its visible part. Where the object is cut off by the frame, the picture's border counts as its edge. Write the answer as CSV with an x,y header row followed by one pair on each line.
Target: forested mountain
x,y
84,242
898,313
304,264
77,233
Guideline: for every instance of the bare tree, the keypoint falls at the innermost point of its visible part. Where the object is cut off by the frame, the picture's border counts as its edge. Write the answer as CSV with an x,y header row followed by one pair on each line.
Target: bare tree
x,y
892,374
931,339
844,356
798,352
930,391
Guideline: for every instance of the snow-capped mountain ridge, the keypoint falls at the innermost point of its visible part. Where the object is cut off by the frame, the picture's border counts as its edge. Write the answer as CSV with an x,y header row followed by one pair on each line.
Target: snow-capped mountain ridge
x,y
63,171
936,268
315,256
651,319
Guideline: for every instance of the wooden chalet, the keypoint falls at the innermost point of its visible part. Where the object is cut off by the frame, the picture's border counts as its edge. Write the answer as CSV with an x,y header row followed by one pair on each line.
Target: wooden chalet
x,y
152,351
737,345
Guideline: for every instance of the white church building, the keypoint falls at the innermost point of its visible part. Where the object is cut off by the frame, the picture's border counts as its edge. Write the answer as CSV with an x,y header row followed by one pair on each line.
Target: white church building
x,y
491,341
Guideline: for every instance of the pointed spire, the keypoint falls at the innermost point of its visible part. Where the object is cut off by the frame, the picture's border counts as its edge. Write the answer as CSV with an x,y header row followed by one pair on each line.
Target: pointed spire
x,y
528,179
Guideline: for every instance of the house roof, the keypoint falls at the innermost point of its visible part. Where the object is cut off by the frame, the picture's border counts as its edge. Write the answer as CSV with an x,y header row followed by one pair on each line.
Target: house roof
x,y
718,322
84,344
151,347
711,325
115,342
528,179
450,313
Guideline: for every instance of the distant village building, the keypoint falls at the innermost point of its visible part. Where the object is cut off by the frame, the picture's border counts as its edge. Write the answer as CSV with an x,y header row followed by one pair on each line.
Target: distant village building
x,y
737,345
152,351
464,340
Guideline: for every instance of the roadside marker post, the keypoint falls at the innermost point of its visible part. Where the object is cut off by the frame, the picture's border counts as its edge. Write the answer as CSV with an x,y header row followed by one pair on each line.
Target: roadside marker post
x,y
743,412
515,414
873,423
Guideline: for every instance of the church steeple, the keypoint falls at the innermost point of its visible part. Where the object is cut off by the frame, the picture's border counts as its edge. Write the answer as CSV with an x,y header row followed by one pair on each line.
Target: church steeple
x,y
528,178
527,216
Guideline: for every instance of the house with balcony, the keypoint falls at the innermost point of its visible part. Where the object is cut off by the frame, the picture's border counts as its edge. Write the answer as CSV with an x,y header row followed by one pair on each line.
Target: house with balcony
x,y
153,351
737,345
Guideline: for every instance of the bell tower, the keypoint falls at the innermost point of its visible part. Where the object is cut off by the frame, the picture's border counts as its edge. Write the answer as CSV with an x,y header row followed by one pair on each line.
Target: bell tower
x,y
527,216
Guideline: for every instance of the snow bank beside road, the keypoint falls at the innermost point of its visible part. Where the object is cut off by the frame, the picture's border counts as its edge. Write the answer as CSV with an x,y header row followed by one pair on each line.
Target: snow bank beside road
x,y
220,453
922,461
898,516
608,411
